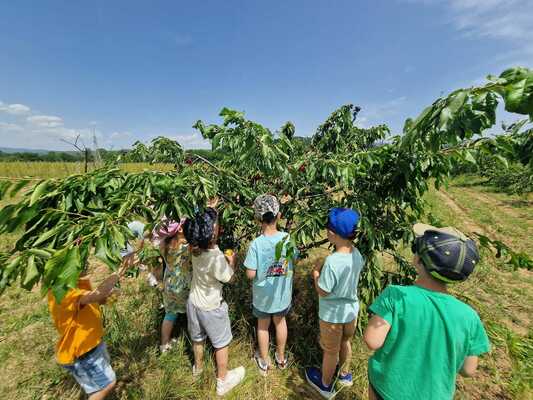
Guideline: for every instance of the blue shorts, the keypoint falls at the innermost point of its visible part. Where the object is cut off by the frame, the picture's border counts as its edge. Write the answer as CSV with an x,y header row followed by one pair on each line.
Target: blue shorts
x,y
93,370
263,315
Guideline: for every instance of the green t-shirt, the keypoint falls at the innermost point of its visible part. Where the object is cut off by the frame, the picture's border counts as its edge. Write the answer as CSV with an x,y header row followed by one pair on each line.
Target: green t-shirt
x,y
339,277
431,334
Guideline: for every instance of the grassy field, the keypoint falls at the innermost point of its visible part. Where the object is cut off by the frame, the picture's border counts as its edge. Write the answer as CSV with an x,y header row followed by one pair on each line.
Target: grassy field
x,y
504,299
19,169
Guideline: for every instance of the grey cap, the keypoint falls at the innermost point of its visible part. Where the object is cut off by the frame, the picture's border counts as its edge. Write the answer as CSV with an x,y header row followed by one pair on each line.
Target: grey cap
x,y
264,204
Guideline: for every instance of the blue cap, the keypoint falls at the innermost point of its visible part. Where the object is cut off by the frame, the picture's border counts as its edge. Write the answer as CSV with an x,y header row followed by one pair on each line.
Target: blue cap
x,y
343,221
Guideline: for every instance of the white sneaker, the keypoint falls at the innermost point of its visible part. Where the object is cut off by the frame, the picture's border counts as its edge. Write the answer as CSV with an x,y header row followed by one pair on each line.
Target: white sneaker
x,y
152,280
165,347
233,378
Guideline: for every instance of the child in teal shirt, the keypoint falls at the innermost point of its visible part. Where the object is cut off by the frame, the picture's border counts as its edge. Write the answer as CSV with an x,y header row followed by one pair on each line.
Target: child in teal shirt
x,y
272,282
423,336
336,284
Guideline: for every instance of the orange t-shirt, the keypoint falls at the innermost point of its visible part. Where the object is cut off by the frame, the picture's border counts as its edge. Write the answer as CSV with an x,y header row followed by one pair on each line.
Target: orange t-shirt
x,y
80,327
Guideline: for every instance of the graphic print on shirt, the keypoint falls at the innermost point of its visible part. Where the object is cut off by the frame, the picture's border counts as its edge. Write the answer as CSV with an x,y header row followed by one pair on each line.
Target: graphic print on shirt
x,y
277,269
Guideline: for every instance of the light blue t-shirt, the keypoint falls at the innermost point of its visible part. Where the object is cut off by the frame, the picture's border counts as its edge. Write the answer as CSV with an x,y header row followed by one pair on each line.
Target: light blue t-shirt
x,y
339,277
137,228
272,285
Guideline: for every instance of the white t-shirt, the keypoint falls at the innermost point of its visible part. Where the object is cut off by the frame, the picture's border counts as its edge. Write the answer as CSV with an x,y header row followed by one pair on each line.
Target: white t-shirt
x,y
209,270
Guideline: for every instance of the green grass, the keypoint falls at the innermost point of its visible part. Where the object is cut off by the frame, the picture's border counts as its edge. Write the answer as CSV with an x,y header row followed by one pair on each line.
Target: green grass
x,y
504,299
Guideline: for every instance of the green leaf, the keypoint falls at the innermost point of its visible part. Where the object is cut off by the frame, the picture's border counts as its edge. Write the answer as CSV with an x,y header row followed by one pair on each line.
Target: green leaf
x,y
32,274
518,95
53,267
7,273
502,160
103,253
40,253
47,235
469,157
19,185
38,191
4,186
71,268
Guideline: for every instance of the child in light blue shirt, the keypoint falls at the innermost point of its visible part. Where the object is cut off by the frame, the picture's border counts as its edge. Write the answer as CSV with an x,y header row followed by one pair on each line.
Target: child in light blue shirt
x,y
272,282
336,284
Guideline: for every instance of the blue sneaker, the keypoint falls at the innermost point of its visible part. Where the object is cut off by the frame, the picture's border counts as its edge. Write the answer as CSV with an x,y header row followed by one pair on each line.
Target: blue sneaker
x,y
314,377
345,380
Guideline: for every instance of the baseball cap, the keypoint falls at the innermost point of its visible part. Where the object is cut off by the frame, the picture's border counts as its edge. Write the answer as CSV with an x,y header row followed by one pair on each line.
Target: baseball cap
x,y
343,221
447,253
264,204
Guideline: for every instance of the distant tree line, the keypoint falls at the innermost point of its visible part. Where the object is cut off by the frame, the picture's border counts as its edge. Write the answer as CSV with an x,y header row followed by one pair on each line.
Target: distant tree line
x,y
109,156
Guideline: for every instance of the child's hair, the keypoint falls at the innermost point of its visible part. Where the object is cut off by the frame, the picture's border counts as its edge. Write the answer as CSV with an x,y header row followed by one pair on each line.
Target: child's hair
x,y
200,230
268,218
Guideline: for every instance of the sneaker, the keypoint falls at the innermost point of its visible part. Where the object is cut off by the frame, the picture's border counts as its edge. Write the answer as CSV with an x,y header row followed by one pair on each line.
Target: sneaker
x,y
261,364
165,347
233,378
152,280
314,377
345,379
281,364
196,372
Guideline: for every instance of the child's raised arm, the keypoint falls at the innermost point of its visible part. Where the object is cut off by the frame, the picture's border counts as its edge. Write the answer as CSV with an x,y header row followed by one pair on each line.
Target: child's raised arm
x,y
103,291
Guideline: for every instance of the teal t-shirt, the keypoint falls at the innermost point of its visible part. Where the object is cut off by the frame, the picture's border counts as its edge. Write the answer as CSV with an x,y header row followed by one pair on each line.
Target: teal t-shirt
x,y
431,334
272,285
339,277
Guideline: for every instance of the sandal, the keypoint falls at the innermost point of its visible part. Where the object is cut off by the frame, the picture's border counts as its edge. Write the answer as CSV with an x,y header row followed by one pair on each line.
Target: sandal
x,y
261,364
281,364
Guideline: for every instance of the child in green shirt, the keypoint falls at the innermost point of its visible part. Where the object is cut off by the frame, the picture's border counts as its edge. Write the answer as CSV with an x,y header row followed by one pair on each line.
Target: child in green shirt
x,y
422,335
336,284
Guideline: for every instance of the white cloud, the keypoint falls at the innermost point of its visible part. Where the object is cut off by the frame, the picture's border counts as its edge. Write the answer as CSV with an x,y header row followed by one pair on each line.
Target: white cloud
x,y
193,141
9,127
510,21
14,109
499,19
45,121
34,130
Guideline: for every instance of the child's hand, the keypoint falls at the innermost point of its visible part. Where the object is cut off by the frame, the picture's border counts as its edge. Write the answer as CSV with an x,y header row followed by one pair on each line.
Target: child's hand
x,y
230,258
315,274
213,203
127,263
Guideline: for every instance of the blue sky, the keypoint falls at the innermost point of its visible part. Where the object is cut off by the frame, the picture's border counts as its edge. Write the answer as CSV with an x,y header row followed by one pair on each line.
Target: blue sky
x,y
133,70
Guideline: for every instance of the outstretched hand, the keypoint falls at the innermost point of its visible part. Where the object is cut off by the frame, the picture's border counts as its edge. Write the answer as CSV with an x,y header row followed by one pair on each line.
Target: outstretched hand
x,y
213,202
129,261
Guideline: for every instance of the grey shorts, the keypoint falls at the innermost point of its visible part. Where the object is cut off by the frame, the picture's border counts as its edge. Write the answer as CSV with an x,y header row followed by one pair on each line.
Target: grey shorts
x,y
212,324
262,315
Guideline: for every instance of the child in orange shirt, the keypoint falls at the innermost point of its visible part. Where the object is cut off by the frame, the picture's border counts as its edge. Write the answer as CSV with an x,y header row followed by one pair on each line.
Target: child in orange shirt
x,y
78,320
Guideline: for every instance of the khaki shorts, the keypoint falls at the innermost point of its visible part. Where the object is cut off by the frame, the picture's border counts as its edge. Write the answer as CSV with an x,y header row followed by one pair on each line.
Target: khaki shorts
x,y
332,335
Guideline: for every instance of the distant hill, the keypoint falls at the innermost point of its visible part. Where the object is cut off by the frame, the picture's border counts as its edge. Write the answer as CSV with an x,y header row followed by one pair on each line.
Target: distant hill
x,y
10,150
